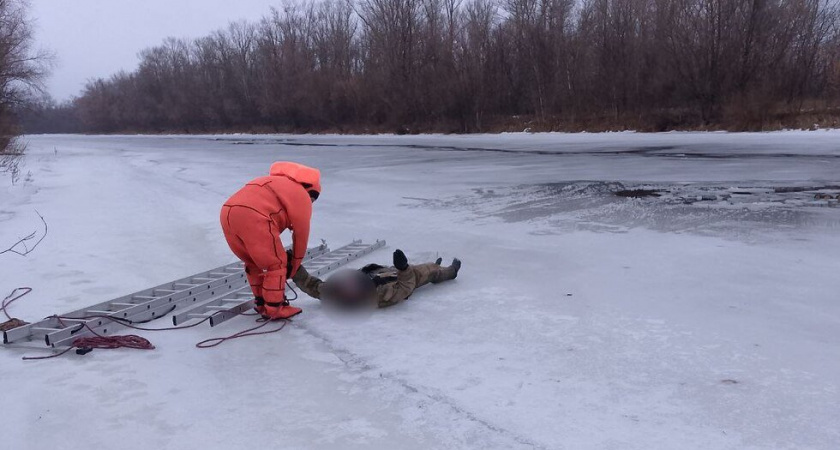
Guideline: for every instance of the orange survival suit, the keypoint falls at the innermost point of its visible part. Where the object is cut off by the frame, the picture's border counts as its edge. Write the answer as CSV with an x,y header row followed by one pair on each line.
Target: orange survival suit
x,y
252,220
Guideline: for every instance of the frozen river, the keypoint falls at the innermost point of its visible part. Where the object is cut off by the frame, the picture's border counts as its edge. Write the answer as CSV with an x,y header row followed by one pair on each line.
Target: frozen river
x,y
619,291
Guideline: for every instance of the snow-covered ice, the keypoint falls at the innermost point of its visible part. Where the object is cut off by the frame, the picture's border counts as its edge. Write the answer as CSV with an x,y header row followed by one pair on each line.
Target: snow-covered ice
x,y
706,317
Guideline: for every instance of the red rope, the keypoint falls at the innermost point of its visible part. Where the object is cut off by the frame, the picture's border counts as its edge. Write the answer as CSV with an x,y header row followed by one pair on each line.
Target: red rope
x,y
202,344
132,341
129,324
208,343
12,323
11,298
125,341
136,342
102,342
56,355
98,341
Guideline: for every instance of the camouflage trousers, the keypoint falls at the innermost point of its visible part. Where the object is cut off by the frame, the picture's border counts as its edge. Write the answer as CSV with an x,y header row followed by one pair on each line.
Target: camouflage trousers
x,y
410,279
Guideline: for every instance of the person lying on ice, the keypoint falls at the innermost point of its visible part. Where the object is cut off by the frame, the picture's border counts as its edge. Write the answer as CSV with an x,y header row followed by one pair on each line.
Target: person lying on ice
x,y
375,285
252,220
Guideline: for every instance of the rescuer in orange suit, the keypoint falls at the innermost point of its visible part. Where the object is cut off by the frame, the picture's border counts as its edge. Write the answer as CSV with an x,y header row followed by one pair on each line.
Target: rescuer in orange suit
x,y
252,220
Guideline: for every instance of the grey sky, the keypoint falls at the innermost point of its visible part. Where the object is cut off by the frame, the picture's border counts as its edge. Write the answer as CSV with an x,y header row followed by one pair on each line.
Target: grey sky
x,y
96,38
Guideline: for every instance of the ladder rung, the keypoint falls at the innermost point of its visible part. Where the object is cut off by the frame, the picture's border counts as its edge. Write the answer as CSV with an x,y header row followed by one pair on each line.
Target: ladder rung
x,y
219,294
45,329
200,316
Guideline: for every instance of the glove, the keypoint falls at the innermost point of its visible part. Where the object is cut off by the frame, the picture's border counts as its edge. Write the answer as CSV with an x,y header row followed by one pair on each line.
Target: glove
x,y
400,261
292,264
290,257
300,275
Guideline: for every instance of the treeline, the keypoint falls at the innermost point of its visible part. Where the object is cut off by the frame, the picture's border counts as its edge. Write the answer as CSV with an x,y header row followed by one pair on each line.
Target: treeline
x,y
21,70
482,65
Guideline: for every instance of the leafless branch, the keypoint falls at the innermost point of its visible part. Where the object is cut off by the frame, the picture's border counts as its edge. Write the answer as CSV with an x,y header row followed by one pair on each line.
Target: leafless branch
x,y
469,65
23,242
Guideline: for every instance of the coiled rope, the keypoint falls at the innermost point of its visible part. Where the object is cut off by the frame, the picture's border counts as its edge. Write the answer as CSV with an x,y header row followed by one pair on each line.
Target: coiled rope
x,y
11,298
84,345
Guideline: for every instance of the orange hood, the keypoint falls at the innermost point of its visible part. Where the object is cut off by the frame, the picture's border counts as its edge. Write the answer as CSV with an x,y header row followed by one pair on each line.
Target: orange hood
x,y
298,173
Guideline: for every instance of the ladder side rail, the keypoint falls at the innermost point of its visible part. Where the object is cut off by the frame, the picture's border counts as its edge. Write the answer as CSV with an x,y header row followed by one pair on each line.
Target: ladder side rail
x,y
192,311
104,326
26,331
171,301
176,295
223,316
197,310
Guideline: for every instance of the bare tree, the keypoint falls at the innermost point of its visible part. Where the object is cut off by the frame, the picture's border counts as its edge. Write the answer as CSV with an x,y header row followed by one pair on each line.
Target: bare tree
x,y
466,65
21,71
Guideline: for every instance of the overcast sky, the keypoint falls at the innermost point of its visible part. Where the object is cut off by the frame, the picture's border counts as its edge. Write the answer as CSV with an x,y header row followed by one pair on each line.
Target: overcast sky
x,y
96,38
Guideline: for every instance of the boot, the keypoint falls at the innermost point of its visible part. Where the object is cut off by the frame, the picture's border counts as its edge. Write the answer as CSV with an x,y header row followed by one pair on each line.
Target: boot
x,y
275,311
449,273
259,305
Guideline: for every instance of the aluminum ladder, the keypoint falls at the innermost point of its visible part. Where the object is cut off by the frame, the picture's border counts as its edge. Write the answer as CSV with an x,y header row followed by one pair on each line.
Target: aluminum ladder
x,y
232,304
217,293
